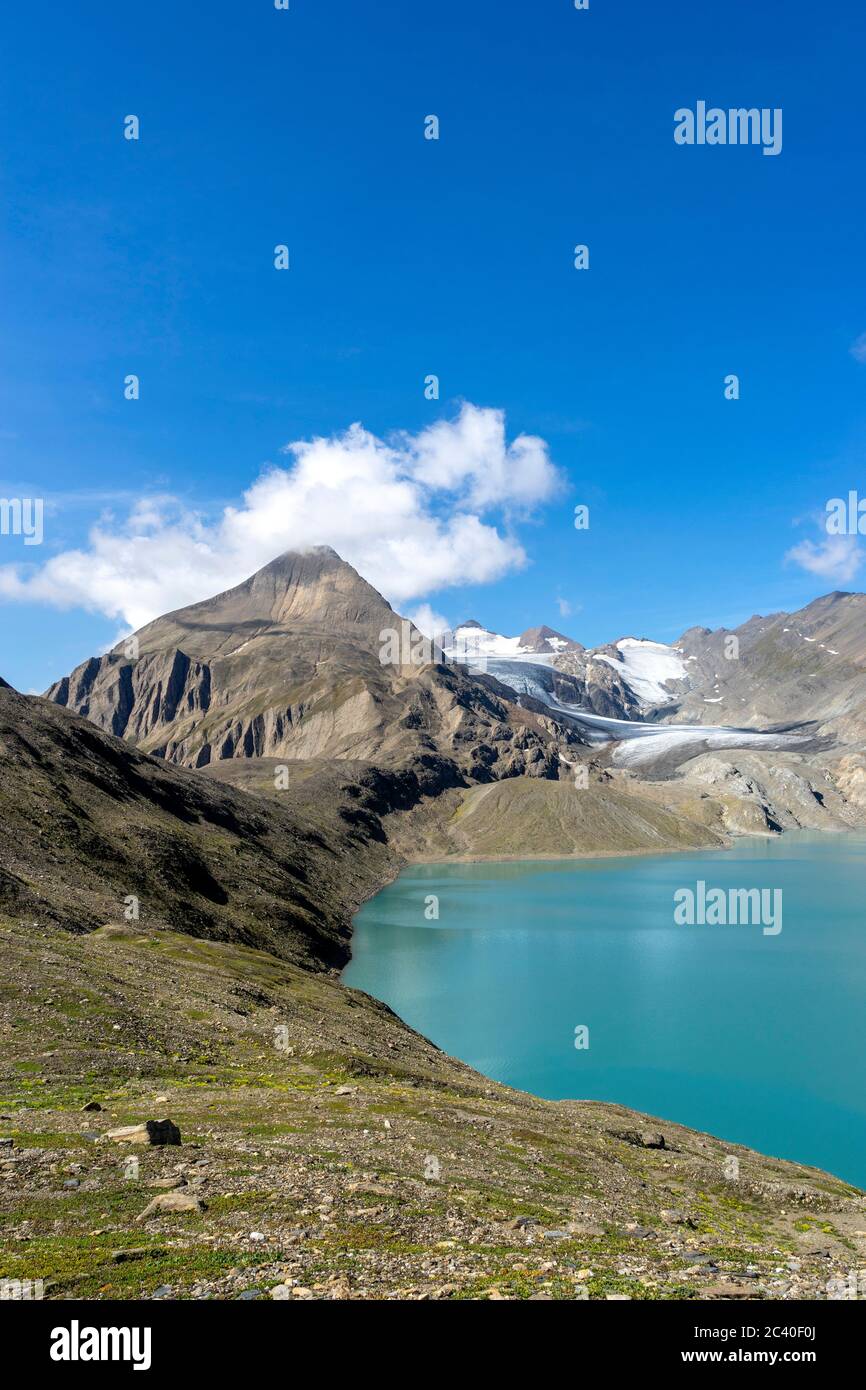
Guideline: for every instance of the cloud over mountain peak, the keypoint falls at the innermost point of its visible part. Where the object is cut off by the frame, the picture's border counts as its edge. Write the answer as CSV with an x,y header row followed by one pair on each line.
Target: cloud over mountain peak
x,y
414,513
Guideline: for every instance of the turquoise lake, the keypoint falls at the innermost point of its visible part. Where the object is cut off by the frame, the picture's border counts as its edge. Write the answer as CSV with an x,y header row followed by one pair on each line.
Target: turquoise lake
x,y
758,1039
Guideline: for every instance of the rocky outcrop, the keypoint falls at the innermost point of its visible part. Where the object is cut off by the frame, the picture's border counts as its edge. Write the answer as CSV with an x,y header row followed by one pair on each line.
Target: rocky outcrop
x,y
150,1132
762,794
595,685
135,699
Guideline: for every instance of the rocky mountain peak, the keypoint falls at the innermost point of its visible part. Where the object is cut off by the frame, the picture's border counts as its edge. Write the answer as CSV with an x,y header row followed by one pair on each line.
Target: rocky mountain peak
x,y
311,589
303,660
547,639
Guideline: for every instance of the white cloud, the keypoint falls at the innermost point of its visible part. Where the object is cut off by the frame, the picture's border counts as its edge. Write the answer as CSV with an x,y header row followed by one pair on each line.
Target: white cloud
x,y
470,455
858,348
836,558
410,513
564,607
428,621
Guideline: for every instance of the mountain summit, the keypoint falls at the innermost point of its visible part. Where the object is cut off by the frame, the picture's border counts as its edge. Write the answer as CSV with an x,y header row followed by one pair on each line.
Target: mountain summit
x,y
311,591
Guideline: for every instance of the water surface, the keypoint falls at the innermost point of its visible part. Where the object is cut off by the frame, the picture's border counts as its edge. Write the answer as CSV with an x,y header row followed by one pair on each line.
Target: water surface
x,y
758,1039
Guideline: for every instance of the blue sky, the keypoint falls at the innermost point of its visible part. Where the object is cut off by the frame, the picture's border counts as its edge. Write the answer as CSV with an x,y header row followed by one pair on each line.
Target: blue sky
x,y
453,257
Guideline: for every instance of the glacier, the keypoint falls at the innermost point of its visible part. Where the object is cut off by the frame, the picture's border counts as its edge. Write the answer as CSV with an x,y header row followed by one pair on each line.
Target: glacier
x,y
639,744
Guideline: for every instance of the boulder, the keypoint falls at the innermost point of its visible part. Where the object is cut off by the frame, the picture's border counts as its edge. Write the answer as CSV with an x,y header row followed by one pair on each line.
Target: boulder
x,y
151,1132
171,1203
674,1217
652,1139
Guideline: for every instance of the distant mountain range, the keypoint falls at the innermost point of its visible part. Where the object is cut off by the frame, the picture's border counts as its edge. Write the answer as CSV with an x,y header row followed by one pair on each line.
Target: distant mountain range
x,y
291,665
804,666
290,662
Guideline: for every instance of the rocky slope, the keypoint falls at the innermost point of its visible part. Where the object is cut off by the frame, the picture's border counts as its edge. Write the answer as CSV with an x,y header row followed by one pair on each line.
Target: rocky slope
x,y
90,824
763,795
614,813
808,665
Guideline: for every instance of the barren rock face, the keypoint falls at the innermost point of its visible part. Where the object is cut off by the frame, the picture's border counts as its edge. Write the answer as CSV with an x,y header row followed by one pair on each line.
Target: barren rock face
x,y
595,685
850,773
760,792
288,665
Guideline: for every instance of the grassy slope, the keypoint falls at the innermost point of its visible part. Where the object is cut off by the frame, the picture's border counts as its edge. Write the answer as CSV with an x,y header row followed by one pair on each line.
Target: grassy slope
x,y
532,817
333,1178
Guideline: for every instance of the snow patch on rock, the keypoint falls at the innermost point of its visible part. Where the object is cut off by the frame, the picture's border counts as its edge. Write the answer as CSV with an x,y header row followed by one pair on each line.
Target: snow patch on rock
x,y
645,667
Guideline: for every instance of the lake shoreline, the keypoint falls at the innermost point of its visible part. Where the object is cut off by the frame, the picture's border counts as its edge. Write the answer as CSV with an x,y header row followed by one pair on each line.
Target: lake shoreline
x,y
761,1106
643,853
